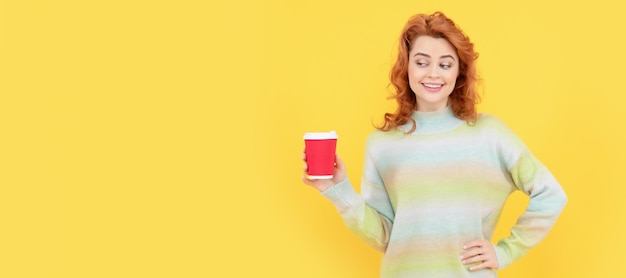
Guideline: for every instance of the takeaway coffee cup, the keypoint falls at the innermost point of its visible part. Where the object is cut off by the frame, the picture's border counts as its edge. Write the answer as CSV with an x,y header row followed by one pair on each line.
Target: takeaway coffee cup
x,y
320,154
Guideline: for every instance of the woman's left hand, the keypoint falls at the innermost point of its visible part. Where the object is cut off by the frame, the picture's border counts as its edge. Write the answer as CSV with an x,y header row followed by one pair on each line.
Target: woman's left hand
x,y
480,251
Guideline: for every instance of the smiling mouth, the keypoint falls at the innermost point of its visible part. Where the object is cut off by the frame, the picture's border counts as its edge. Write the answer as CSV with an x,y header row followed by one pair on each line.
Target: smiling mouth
x,y
432,86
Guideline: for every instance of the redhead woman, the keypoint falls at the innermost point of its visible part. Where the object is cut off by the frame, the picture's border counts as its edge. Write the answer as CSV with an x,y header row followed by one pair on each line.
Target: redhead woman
x,y
437,174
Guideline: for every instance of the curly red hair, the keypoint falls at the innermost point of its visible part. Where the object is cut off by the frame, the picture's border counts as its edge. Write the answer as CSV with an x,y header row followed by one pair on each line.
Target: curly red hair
x,y
463,98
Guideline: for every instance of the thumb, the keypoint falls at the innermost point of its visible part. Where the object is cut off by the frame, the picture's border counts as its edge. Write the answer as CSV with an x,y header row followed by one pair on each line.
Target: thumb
x,y
339,162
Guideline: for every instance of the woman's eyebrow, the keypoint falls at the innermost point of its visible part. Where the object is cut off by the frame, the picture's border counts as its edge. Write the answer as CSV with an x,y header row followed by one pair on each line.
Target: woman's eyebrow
x,y
448,56
426,55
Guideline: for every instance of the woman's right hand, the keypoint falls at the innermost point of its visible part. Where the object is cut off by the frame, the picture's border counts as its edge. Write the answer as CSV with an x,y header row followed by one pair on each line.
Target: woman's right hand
x,y
339,174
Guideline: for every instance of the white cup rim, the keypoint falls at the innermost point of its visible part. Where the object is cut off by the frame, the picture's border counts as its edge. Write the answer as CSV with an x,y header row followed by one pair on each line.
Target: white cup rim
x,y
320,135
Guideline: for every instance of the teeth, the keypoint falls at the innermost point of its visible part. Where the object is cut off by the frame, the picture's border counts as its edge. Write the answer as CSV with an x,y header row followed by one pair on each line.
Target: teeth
x,y
432,85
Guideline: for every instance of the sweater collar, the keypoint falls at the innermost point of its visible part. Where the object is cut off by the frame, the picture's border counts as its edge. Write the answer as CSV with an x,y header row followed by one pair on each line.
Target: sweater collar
x,y
433,122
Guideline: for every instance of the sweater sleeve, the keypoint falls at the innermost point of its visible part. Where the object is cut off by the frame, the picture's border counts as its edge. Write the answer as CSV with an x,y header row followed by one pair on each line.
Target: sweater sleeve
x,y
369,215
547,200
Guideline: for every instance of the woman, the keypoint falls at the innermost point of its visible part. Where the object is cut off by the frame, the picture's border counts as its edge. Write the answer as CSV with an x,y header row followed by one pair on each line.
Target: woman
x,y
436,174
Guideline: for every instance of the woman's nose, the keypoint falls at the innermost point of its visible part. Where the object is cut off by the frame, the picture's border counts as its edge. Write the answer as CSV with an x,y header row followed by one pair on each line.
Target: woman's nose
x,y
433,72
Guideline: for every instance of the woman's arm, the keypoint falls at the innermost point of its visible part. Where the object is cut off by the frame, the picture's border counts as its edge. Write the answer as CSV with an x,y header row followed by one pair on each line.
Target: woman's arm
x,y
368,215
547,200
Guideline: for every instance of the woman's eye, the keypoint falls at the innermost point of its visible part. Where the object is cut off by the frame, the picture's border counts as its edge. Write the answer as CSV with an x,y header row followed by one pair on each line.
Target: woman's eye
x,y
421,64
445,66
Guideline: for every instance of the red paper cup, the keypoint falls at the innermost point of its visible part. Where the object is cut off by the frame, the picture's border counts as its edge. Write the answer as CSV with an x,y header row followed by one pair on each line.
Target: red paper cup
x,y
320,154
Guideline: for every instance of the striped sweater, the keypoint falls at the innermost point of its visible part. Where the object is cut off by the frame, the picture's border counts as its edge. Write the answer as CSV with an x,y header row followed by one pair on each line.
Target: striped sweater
x,y
425,194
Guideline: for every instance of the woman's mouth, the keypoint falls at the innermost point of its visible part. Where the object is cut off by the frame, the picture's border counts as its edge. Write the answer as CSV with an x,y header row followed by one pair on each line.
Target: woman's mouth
x,y
432,87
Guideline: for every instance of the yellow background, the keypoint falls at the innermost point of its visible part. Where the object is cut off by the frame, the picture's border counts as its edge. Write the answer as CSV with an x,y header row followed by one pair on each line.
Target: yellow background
x,y
163,138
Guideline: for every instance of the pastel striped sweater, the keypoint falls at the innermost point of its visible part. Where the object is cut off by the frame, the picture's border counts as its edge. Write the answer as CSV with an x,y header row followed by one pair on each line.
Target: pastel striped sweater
x,y
425,194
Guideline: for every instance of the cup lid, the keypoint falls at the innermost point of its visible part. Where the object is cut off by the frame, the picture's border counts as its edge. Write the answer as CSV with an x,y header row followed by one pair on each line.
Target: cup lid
x,y
320,135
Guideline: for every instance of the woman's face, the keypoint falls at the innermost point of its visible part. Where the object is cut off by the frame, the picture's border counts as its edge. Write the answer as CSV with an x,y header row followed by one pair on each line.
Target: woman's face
x,y
433,69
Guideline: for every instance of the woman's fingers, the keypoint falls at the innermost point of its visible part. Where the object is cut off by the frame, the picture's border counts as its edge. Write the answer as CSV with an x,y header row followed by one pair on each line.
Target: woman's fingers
x,y
480,251
474,259
470,254
486,264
